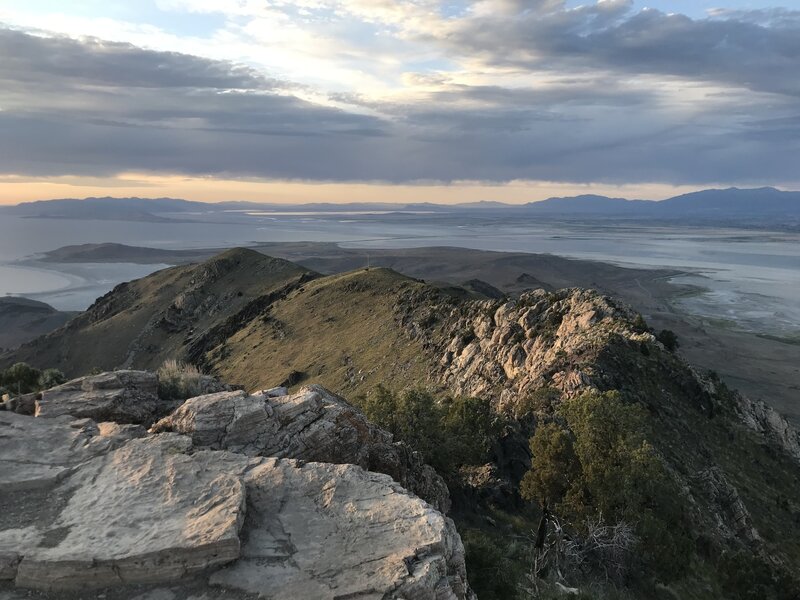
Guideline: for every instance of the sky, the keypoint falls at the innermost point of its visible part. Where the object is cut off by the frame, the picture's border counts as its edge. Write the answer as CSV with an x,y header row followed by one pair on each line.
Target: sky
x,y
396,100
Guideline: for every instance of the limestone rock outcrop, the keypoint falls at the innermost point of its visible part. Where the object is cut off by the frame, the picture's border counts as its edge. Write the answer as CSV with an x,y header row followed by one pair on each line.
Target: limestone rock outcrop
x,y
87,505
571,341
541,339
317,530
765,420
312,425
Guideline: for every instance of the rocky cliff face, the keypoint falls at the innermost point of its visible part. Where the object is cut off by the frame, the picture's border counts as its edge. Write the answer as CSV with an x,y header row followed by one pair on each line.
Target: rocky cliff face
x,y
565,340
573,341
213,500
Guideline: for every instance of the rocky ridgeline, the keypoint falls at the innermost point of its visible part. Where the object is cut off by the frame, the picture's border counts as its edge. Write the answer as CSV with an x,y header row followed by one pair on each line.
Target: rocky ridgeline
x,y
572,341
575,341
227,495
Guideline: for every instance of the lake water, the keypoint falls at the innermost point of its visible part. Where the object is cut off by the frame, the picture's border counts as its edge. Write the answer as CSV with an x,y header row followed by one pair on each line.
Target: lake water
x,y
753,277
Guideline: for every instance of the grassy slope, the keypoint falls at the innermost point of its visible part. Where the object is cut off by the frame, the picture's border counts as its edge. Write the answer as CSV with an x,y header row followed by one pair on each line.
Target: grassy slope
x,y
339,331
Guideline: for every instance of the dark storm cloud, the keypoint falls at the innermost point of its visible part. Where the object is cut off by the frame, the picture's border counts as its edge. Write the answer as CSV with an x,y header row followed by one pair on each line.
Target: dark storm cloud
x,y
59,61
758,50
94,108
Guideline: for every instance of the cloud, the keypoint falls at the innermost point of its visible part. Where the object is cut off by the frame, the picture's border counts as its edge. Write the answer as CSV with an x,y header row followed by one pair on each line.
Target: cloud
x,y
516,90
61,61
766,17
757,50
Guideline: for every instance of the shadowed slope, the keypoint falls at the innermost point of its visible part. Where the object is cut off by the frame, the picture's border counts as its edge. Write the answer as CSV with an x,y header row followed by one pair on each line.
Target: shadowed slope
x,y
22,320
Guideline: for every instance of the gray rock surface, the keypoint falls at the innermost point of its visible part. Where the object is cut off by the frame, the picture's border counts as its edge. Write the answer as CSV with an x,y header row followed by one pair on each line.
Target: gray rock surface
x,y
120,396
335,531
86,505
36,453
145,513
312,425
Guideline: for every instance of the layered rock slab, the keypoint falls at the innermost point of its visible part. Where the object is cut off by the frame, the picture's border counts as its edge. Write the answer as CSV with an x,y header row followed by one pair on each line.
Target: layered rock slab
x,y
312,424
38,453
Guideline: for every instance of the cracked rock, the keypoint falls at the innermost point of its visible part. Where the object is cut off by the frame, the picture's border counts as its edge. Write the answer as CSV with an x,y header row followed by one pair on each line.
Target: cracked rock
x,y
312,425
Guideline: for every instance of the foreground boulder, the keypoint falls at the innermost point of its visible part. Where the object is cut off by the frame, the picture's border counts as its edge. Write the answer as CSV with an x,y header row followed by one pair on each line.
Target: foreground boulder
x,y
86,505
311,425
119,396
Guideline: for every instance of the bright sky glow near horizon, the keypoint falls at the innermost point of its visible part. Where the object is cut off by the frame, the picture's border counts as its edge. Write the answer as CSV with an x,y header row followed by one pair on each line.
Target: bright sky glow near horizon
x,y
384,100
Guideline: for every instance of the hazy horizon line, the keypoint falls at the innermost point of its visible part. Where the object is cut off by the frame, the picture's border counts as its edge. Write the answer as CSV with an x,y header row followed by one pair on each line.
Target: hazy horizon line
x,y
384,202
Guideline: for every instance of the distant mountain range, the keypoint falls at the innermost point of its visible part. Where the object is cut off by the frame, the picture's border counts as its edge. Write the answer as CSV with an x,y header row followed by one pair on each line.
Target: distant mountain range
x,y
728,204
709,203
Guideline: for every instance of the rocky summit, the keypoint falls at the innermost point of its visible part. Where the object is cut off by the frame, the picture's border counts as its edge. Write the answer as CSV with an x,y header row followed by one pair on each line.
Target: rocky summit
x,y
229,495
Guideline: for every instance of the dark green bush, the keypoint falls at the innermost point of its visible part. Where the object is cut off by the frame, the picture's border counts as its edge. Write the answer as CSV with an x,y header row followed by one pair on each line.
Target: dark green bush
x,y
603,465
555,469
493,571
669,339
51,378
448,434
20,378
